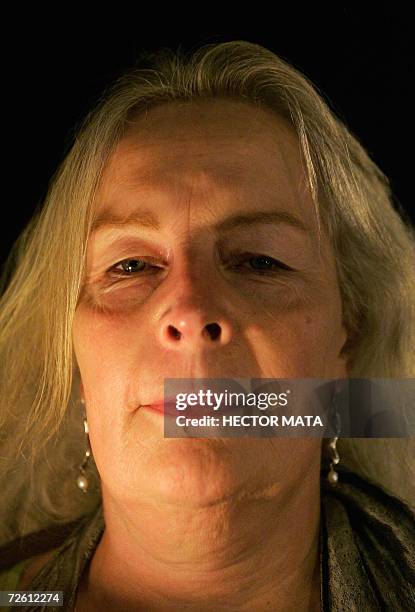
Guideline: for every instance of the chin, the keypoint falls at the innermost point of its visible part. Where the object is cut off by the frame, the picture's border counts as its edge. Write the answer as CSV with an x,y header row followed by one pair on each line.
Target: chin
x,y
194,475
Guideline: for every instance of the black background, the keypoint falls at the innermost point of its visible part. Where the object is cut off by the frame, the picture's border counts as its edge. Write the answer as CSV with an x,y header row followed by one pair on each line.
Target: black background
x,y
56,66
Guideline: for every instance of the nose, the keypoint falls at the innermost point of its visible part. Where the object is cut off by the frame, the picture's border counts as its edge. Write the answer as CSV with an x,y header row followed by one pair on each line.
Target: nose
x,y
192,326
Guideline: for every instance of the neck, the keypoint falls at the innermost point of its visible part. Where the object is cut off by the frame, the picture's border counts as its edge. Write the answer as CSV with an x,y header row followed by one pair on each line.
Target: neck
x,y
258,551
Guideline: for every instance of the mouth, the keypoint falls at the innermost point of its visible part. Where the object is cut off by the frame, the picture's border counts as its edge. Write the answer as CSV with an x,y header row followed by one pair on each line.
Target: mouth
x,y
168,408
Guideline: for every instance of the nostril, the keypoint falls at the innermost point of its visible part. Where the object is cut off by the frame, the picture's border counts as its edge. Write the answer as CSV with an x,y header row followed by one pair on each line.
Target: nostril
x,y
173,332
213,330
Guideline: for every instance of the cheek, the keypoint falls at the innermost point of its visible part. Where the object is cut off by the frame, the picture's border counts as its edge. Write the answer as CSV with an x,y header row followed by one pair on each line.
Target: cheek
x,y
100,352
300,341
318,334
104,368
119,299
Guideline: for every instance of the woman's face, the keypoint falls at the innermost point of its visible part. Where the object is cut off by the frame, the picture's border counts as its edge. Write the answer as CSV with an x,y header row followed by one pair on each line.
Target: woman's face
x,y
188,196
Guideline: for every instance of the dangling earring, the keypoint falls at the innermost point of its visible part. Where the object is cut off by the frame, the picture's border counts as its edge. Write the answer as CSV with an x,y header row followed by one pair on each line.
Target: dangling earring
x,y
333,454
82,480
334,458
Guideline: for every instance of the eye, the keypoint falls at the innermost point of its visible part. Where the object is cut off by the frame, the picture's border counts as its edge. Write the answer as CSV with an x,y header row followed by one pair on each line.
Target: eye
x,y
258,263
131,267
261,264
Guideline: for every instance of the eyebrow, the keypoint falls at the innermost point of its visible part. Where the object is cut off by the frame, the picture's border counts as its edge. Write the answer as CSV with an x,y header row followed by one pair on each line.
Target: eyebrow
x,y
108,221
147,219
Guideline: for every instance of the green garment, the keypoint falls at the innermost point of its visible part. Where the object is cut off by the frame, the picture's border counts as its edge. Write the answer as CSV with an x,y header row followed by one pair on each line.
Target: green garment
x,y
367,551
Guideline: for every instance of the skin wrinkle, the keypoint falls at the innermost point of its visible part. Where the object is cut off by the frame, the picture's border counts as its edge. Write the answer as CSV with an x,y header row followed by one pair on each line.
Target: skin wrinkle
x,y
189,521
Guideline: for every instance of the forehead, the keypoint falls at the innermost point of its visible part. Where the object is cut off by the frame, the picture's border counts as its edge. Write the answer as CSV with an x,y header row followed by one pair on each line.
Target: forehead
x,y
216,146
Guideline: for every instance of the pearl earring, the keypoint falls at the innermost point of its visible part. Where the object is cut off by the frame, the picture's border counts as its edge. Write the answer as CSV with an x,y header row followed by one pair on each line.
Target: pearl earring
x,y
334,458
82,480
333,454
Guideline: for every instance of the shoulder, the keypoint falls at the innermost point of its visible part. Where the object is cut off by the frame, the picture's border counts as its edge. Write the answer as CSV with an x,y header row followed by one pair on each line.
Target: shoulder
x,y
367,501
370,537
53,558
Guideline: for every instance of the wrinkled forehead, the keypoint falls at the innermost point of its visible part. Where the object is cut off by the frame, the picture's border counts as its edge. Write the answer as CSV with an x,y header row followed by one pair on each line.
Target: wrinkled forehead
x,y
209,147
